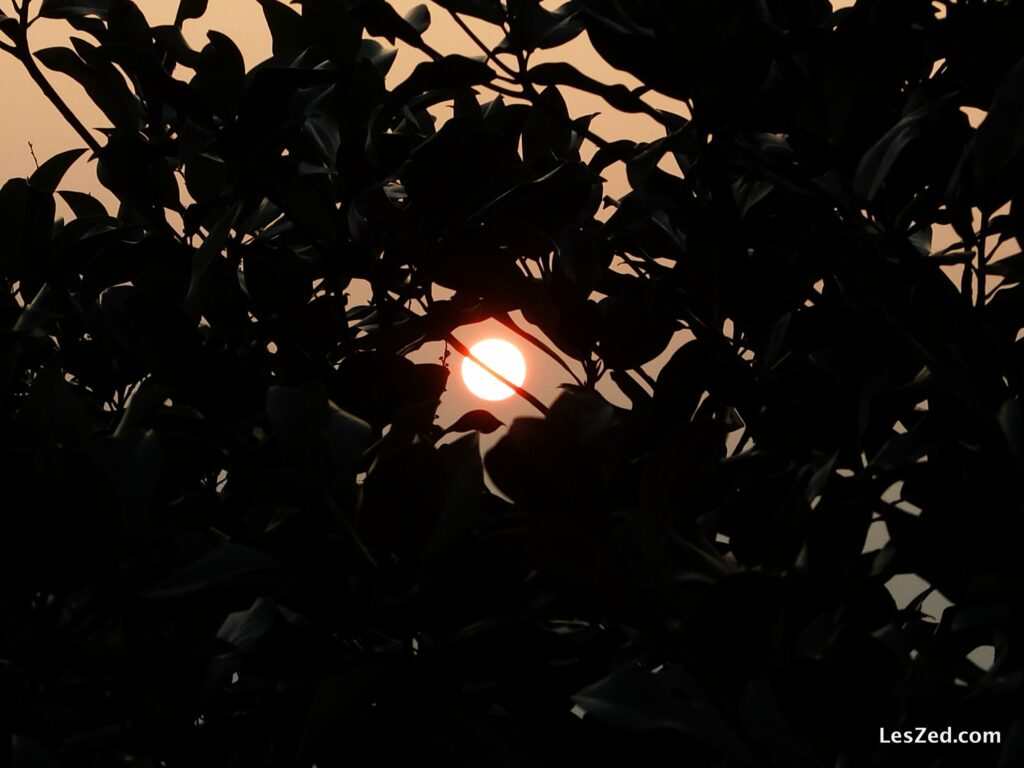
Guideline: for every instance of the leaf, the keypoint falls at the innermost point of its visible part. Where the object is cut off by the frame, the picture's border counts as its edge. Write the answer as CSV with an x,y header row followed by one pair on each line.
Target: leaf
x,y
53,412
634,330
9,26
878,161
537,27
1000,136
62,9
26,753
173,41
202,262
632,700
349,436
82,205
189,9
220,75
750,193
488,10
48,176
226,564
109,93
562,73
288,33
419,18
547,129
464,484
245,629
452,71
564,197
26,216
476,421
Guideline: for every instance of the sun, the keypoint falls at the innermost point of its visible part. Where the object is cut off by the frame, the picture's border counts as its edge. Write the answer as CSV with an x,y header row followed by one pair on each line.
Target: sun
x,y
500,356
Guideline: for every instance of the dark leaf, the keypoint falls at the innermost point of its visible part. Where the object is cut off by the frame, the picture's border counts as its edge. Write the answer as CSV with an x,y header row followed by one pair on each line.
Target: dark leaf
x,y
82,205
879,160
110,94
418,18
222,566
476,421
286,27
189,9
488,10
62,9
1001,135
48,176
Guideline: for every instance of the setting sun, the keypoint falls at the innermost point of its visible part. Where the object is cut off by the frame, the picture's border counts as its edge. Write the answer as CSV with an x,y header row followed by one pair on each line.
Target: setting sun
x,y
500,356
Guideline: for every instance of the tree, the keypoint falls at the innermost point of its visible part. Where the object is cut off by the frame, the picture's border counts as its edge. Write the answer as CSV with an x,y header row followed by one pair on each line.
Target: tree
x,y
232,532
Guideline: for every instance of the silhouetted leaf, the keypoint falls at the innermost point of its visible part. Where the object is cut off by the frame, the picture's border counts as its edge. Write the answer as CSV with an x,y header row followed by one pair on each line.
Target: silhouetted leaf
x,y
488,10
476,421
109,94
48,176
1001,134
286,27
879,160
62,9
224,565
189,9
83,205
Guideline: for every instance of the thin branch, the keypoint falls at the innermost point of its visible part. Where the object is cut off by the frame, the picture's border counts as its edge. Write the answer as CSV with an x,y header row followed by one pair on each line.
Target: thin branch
x,y
646,377
463,350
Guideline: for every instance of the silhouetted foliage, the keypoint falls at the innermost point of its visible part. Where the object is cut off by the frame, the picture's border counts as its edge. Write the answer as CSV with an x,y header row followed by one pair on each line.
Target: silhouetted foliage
x,y
232,533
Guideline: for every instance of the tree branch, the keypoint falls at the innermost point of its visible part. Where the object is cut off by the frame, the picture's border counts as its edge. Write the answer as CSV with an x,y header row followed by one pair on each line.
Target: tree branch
x,y
23,53
463,350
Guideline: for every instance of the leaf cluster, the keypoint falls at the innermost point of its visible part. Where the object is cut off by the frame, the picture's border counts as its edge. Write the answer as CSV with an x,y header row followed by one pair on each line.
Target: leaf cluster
x,y
233,532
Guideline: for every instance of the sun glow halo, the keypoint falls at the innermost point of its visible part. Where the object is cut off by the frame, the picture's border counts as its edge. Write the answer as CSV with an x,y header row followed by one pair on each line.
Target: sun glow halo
x,y
500,356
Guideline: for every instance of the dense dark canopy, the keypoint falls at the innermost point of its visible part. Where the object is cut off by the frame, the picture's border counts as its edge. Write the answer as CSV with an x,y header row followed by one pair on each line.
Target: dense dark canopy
x,y
233,533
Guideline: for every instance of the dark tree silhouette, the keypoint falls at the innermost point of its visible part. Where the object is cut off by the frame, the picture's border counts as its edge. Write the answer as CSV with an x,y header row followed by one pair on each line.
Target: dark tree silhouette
x,y
231,533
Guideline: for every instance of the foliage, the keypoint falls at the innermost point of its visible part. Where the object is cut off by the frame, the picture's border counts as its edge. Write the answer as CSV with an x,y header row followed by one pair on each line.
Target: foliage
x,y
233,534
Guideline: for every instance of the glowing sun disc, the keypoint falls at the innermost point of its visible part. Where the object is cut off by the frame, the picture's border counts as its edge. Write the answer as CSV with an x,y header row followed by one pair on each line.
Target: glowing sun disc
x,y
500,356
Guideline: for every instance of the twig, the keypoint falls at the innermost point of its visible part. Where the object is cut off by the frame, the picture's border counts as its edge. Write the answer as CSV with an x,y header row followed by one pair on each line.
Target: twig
x,y
32,151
